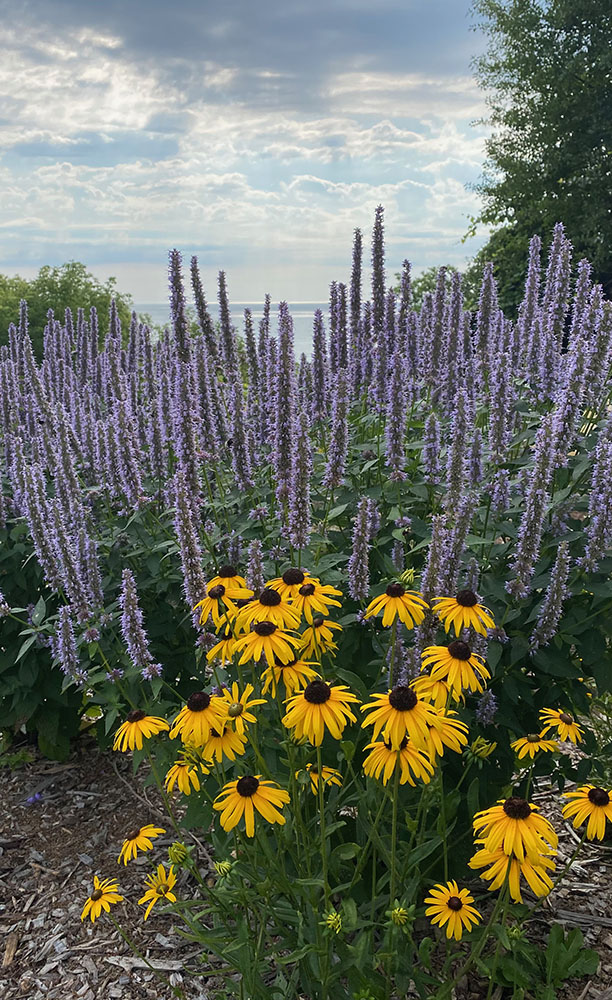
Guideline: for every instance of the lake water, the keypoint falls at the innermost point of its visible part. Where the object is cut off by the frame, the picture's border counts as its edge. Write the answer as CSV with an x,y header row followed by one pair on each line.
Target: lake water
x,y
301,312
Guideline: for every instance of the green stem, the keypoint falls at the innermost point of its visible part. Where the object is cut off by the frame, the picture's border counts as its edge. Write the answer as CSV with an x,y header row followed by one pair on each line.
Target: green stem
x,y
392,877
322,827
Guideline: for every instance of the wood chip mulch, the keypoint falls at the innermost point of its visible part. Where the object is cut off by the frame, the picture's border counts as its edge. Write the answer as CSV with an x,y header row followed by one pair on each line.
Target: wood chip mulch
x,y
50,849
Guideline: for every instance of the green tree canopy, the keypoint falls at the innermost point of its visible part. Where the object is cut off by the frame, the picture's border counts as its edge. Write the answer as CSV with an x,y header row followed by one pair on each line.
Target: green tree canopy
x,y
59,288
548,76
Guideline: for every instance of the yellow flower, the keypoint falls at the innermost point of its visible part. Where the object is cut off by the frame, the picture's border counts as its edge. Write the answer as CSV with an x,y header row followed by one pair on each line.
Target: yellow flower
x,y
451,733
311,596
333,921
481,749
535,874
238,706
240,798
330,777
317,707
222,592
530,745
396,601
462,611
295,675
222,868
514,826
400,713
224,649
290,582
139,839
224,742
104,894
399,916
318,638
196,719
160,887
138,724
383,759
185,772
266,639
589,803
458,666
178,853
268,607
452,906
563,722
436,692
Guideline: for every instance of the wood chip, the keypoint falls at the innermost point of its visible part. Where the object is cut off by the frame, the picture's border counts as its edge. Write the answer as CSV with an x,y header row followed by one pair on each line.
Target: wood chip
x,y
11,947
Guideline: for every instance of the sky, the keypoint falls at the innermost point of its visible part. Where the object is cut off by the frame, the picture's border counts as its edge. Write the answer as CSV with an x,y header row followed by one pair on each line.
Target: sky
x,y
256,135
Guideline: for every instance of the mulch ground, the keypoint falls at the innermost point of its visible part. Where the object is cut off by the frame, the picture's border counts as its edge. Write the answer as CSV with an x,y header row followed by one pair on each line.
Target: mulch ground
x,y
51,848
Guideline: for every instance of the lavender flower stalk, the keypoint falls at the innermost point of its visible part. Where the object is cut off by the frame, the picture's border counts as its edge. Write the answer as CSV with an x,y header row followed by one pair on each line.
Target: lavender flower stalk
x,y
185,525
338,446
431,450
358,571
134,635
65,646
299,496
255,568
532,521
396,422
552,605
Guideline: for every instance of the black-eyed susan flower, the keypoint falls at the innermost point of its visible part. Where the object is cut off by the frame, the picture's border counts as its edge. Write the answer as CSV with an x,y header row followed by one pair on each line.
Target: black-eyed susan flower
x,y
185,773
222,868
458,665
567,728
437,693
294,675
224,742
160,886
139,839
515,826
401,713
290,582
223,650
222,593
266,639
318,638
195,720
229,578
462,611
239,706
241,798
451,733
318,707
178,853
314,599
105,894
138,726
332,921
268,607
383,760
399,915
532,744
499,865
594,804
396,601
452,906
329,774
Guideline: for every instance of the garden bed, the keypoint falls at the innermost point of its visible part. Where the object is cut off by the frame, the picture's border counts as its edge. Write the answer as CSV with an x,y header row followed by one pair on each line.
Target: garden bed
x,y
51,848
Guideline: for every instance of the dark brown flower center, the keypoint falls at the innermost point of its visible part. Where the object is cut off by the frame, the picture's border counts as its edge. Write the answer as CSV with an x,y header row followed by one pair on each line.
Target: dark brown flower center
x,y
293,576
247,786
263,628
533,738
395,590
137,715
216,592
566,718
133,834
307,590
599,797
227,571
402,746
240,603
454,903
459,650
96,895
269,598
402,698
317,622
517,808
466,598
198,701
235,709
317,692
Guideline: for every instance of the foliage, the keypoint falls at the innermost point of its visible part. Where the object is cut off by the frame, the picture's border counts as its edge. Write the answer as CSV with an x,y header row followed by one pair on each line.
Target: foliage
x,y
448,454
426,282
68,286
547,73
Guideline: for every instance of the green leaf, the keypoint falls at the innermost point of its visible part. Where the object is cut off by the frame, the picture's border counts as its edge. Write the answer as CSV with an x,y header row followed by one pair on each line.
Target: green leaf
x,y
25,646
39,611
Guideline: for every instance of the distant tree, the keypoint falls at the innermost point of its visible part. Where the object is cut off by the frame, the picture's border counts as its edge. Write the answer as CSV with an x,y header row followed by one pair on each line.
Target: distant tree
x,y
547,73
68,286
